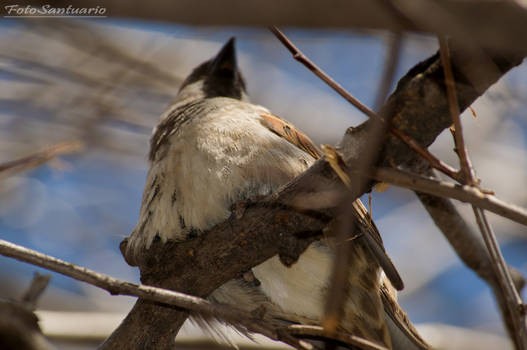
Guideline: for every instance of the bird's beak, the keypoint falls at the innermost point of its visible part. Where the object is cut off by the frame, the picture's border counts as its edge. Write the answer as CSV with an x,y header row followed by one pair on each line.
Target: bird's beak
x,y
225,60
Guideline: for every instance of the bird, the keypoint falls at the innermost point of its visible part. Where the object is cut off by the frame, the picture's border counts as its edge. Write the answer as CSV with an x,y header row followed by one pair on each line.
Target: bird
x,y
213,148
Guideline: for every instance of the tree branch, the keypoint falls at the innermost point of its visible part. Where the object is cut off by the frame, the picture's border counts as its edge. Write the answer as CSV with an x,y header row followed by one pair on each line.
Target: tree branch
x,y
114,286
463,193
36,159
413,144
516,323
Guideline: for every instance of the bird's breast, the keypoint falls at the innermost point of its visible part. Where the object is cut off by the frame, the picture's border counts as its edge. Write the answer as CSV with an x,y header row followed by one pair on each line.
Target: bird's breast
x,y
218,157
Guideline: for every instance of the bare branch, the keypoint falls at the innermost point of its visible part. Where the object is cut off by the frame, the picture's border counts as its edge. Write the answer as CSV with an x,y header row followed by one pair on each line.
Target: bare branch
x,y
466,167
119,287
434,162
423,152
300,57
463,193
253,322
30,162
37,287
514,304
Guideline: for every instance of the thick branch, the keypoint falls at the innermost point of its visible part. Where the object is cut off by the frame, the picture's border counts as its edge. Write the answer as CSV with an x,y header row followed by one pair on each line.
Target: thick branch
x,y
229,249
419,109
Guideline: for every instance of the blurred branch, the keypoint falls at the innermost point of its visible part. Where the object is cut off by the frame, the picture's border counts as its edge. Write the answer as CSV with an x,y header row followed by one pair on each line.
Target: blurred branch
x,y
462,238
468,246
390,67
465,175
19,328
31,68
78,80
86,37
35,290
30,162
497,24
346,225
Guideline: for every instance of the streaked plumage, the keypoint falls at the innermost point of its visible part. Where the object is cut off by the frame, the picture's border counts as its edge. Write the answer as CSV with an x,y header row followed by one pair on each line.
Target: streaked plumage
x,y
213,148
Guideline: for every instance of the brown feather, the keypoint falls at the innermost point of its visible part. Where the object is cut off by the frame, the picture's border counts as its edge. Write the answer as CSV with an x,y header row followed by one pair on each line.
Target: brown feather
x,y
401,321
373,238
288,131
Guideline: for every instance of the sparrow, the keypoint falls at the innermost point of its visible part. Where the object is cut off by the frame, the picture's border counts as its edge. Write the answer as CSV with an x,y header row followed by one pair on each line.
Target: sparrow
x,y
213,148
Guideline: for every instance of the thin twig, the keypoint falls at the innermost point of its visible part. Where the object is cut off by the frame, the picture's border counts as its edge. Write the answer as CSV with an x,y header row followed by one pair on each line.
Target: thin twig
x,y
464,193
453,105
35,290
518,307
36,159
299,56
513,301
434,162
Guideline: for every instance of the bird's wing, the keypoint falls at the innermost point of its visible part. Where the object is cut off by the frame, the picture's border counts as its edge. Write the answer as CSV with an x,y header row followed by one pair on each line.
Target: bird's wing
x,y
288,131
403,333
374,241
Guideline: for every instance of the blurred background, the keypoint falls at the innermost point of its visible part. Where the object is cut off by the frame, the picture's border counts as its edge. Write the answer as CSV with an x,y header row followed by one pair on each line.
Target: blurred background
x,y
105,82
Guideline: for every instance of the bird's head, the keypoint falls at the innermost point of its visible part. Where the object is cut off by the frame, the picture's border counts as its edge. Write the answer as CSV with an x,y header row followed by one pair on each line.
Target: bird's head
x,y
217,77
